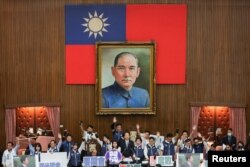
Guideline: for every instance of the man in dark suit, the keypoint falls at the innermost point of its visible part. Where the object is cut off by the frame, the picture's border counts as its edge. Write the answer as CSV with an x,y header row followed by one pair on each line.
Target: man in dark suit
x,y
229,139
25,161
189,162
127,146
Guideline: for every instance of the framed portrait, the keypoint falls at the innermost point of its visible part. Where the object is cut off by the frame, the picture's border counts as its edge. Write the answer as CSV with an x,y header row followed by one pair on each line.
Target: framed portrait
x,y
125,78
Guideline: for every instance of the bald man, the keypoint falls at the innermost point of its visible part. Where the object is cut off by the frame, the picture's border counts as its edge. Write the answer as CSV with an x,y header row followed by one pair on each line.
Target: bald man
x,y
122,94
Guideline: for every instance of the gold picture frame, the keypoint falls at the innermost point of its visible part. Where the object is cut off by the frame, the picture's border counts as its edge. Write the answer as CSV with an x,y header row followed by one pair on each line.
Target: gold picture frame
x,y
125,79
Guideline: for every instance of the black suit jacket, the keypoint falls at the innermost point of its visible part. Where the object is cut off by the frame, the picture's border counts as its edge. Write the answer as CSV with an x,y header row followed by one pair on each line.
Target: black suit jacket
x,y
227,142
127,151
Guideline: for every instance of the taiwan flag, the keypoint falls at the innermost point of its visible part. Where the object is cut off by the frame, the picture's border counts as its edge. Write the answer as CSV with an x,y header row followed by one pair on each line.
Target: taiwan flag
x,y
162,23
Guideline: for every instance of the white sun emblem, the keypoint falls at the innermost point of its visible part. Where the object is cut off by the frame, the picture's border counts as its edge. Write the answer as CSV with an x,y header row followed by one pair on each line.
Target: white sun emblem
x,y
95,24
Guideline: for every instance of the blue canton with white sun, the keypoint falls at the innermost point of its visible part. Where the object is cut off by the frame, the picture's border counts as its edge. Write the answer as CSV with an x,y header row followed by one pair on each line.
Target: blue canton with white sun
x,y
95,24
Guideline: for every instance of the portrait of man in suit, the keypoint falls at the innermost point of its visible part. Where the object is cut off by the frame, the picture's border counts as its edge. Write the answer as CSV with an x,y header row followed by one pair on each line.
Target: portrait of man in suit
x,y
125,77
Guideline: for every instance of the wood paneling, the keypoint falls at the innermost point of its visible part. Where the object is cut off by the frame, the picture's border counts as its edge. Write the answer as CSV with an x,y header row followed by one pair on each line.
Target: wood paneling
x,y
32,64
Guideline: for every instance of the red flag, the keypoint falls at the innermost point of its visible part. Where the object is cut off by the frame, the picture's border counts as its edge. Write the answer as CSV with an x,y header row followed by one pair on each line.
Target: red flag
x,y
161,23
166,25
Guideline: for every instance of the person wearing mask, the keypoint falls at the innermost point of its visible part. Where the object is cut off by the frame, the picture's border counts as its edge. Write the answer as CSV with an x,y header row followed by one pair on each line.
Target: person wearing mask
x,y
9,153
229,139
228,148
240,146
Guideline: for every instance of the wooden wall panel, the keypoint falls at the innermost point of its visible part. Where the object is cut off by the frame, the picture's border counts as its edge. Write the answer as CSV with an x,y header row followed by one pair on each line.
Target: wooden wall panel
x,y
32,63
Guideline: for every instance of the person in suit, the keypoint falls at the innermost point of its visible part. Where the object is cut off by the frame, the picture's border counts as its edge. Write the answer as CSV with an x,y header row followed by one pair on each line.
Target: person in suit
x,y
127,146
229,139
25,161
67,144
189,159
122,93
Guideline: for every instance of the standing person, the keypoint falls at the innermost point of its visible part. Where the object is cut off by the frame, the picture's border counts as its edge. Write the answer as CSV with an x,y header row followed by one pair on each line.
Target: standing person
x,y
67,144
36,149
116,130
144,136
115,146
167,146
9,153
75,156
187,148
150,149
89,133
127,146
54,147
230,139
139,150
122,93
105,145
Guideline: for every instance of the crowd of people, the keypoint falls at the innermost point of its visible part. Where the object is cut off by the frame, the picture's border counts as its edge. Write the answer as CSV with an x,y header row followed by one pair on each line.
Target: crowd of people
x,y
141,149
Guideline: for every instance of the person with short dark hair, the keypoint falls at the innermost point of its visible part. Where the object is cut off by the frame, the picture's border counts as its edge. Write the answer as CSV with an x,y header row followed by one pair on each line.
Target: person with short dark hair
x,y
150,149
127,145
25,161
189,159
9,153
144,136
89,133
116,130
230,139
139,150
187,147
105,145
75,156
198,145
67,144
167,146
122,93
